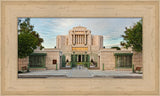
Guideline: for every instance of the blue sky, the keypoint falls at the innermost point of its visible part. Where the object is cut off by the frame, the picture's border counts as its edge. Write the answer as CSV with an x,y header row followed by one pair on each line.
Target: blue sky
x,y
110,28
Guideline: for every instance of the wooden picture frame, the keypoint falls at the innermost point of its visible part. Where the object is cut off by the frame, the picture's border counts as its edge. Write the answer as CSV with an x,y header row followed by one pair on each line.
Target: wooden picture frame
x,y
147,9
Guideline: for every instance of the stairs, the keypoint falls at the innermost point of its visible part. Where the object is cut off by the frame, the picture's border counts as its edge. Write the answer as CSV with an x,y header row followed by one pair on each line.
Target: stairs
x,y
79,73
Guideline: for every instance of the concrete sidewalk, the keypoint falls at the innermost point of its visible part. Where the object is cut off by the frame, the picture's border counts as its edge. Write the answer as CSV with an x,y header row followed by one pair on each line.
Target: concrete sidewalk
x,y
80,73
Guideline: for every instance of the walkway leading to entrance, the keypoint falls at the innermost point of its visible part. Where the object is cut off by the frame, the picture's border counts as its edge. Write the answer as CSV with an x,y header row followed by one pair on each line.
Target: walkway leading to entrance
x,y
80,73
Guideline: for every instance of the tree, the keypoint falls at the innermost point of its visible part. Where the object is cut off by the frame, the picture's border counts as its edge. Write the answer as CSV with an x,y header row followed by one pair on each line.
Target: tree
x,y
116,47
26,44
28,39
133,37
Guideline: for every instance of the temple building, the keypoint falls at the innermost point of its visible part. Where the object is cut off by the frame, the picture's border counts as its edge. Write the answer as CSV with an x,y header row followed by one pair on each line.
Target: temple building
x,y
80,47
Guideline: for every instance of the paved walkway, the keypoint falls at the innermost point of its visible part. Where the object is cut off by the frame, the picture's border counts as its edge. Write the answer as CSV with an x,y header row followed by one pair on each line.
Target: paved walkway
x,y
80,73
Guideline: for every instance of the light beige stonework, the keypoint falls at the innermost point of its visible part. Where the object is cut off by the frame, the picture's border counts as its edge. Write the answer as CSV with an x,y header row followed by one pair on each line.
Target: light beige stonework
x,y
79,37
108,59
23,63
81,41
137,59
52,55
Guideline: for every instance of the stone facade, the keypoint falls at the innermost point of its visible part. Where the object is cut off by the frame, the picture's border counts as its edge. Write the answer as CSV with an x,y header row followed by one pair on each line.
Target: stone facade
x,y
137,59
23,63
108,59
81,43
52,54
79,39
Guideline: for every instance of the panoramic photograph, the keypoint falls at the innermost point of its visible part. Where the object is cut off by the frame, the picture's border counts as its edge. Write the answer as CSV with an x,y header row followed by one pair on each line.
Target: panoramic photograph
x,y
80,48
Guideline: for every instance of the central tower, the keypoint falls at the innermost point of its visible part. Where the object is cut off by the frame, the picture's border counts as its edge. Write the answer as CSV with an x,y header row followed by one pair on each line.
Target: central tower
x,y
79,46
80,38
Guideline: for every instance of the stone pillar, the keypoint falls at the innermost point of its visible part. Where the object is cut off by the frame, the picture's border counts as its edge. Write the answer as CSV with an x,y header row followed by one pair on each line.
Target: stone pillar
x,y
76,39
80,39
85,39
73,39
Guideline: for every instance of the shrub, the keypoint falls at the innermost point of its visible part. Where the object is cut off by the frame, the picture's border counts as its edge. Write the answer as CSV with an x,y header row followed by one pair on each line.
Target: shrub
x,y
133,68
20,72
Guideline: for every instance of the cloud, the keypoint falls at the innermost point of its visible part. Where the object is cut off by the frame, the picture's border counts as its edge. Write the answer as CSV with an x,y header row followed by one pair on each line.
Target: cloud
x,y
106,37
112,45
110,28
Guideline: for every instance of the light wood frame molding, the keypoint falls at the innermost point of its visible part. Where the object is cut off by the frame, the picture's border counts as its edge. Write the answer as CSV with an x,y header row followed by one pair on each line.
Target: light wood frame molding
x,y
147,9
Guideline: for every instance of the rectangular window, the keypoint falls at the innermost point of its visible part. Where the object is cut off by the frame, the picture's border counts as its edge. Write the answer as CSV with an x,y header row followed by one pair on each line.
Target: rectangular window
x,y
123,60
54,61
37,60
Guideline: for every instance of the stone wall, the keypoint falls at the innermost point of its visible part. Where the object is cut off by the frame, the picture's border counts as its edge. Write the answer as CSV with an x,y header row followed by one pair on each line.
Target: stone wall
x,y
52,55
105,57
108,59
23,63
137,59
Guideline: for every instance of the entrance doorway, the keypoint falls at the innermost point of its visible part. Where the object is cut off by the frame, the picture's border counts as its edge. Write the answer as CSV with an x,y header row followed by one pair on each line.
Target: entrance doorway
x,y
79,58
